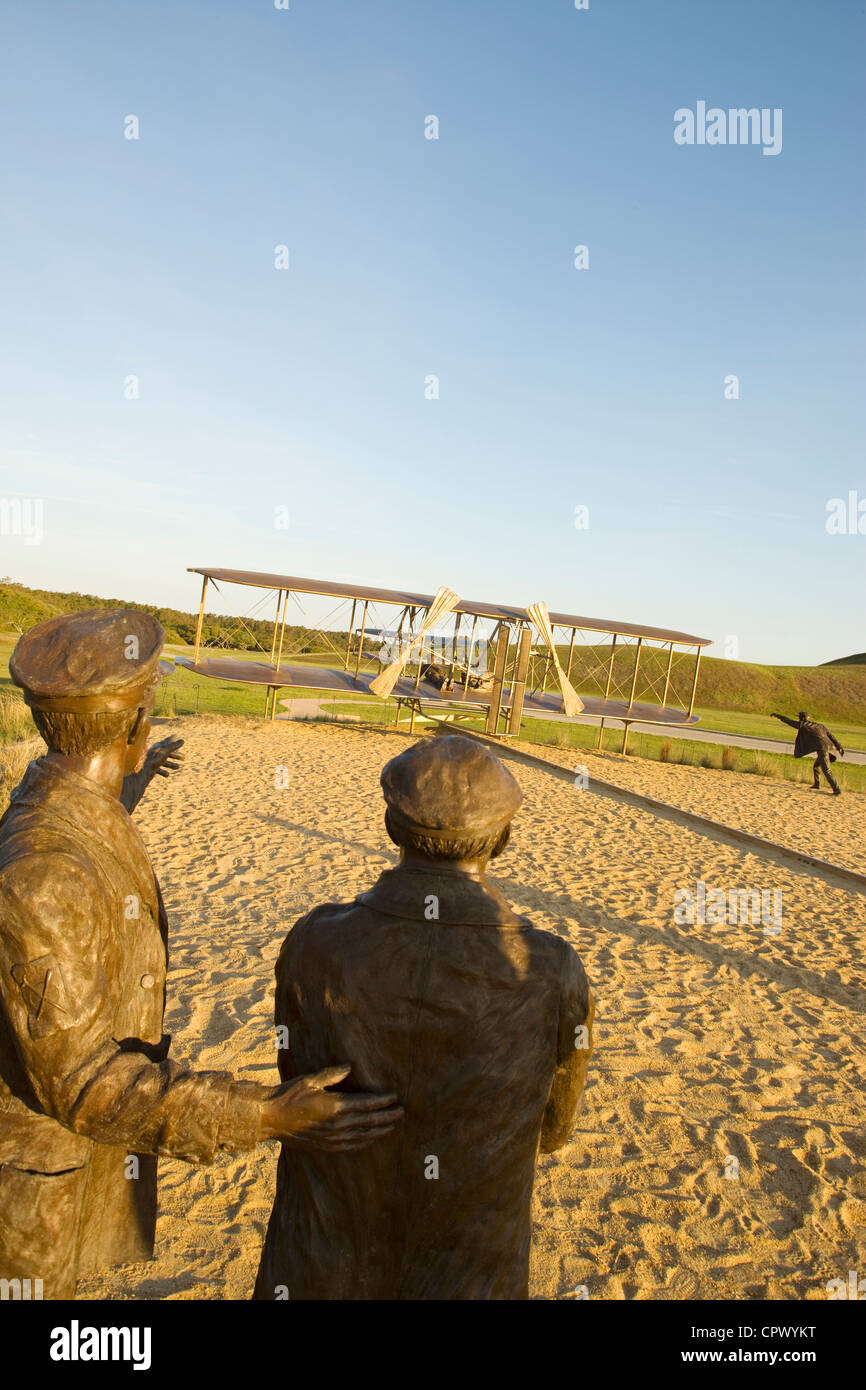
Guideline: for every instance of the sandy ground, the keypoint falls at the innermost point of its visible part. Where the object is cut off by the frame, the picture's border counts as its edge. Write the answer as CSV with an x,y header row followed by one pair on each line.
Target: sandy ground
x,y
829,827
719,1049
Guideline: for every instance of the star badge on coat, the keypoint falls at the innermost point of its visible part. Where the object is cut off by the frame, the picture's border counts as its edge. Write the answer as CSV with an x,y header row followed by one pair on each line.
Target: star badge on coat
x,y
44,992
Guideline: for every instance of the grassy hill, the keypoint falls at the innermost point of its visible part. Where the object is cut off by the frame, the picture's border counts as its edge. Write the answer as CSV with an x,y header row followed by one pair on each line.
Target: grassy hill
x,y
826,692
834,692
22,608
858,660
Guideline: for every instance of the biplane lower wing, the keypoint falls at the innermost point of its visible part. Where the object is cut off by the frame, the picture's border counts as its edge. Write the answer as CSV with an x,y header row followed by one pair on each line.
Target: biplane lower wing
x,y
536,704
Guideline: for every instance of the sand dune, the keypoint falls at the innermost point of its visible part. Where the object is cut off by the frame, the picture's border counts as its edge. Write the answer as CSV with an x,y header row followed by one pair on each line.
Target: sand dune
x,y
715,1042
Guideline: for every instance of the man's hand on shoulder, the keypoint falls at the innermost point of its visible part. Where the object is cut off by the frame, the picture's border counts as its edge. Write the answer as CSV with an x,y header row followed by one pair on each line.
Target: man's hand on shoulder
x,y
304,1115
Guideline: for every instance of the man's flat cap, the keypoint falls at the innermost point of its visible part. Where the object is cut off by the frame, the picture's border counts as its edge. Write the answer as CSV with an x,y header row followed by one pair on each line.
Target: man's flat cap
x,y
89,663
450,786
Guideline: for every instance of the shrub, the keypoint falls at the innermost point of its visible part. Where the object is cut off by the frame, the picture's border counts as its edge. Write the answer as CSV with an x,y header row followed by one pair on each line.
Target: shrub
x,y
15,721
766,766
14,758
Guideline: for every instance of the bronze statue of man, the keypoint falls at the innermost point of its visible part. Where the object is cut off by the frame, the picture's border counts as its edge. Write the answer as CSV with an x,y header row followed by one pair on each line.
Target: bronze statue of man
x,y
816,738
88,1096
433,989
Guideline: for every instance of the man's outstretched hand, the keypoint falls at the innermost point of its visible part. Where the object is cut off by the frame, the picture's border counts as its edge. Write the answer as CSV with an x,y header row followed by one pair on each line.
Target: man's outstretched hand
x,y
164,757
307,1116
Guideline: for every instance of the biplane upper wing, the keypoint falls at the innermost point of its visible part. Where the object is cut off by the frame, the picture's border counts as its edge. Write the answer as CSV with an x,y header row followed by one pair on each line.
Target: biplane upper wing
x,y
400,598
509,690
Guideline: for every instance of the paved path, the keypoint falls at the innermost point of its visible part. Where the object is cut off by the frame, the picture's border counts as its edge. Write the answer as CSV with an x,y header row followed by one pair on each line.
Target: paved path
x,y
699,735
311,709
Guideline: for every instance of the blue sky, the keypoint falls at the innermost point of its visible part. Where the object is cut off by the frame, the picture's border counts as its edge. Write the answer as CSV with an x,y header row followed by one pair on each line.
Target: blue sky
x,y
558,388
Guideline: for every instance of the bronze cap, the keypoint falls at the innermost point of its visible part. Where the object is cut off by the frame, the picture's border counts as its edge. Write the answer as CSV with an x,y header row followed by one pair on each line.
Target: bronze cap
x,y
89,663
450,786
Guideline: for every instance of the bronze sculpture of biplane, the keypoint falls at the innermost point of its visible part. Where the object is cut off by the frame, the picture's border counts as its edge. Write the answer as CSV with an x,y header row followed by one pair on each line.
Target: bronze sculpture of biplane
x,y
501,662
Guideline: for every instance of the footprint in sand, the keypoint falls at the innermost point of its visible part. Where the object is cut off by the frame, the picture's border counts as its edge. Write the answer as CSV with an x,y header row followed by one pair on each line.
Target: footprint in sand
x,y
683,1286
234,872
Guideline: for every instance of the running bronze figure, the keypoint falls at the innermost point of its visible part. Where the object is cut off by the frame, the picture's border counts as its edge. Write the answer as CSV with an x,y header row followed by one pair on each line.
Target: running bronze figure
x,y
815,738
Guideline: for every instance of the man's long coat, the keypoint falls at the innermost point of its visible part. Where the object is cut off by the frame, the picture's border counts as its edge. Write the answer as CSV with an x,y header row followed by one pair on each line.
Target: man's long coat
x,y
433,989
85,1083
812,737
815,738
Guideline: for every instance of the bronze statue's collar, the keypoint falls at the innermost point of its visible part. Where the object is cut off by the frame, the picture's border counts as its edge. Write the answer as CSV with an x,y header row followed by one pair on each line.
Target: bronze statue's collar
x,y
88,809
460,899
45,781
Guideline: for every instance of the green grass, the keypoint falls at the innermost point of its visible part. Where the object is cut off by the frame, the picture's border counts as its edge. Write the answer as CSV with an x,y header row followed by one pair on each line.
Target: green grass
x,y
179,694
832,693
689,753
764,726
583,738
184,693
829,693
15,721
